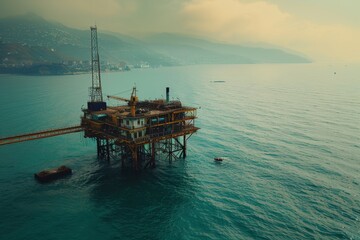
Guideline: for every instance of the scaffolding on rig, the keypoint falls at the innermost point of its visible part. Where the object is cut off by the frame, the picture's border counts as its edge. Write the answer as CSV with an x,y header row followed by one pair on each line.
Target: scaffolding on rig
x,y
140,139
142,155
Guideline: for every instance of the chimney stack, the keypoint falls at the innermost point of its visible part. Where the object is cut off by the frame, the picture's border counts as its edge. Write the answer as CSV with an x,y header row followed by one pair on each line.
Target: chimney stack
x,y
167,94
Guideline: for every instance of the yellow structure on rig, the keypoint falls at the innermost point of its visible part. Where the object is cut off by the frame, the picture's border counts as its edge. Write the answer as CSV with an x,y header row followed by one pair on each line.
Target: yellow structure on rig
x,y
141,130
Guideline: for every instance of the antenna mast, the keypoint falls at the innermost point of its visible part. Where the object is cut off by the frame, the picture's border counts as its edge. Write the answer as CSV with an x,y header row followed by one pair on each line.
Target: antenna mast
x,y
95,89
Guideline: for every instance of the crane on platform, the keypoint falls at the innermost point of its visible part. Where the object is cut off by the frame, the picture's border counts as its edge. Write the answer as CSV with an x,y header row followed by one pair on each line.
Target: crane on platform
x,y
132,101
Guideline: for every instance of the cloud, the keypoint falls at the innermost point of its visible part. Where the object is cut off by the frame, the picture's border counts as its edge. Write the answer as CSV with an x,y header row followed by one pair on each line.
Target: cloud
x,y
94,8
75,13
64,7
259,21
256,20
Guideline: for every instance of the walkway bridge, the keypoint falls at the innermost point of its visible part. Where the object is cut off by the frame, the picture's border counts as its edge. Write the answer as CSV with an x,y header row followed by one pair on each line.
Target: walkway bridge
x,y
41,134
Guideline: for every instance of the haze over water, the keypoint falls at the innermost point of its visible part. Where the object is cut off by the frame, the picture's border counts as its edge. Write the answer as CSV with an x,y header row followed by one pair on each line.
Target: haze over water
x,y
289,134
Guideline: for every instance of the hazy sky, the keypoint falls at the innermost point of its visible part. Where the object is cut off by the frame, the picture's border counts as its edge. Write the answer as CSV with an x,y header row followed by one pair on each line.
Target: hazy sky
x,y
324,30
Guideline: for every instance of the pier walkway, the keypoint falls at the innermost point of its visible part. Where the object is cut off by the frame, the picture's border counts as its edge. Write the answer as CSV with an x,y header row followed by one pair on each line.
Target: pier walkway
x,y
41,134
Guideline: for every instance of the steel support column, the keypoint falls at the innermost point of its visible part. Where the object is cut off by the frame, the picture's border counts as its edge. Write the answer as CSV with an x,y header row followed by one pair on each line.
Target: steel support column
x,y
184,147
152,161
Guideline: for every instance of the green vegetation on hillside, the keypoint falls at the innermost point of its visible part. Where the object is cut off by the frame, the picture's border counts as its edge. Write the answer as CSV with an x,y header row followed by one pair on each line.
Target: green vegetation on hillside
x,y
29,41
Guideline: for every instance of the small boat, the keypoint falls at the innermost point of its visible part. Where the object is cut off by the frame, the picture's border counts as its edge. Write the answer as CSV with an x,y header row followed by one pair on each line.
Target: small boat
x,y
52,174
218,159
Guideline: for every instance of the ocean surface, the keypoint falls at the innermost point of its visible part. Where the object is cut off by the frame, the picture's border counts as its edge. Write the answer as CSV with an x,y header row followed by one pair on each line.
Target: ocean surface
x,y
289,134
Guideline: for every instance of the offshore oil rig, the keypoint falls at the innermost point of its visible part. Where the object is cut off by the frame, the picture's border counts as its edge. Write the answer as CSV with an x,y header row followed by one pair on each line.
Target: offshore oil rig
x,y
137,133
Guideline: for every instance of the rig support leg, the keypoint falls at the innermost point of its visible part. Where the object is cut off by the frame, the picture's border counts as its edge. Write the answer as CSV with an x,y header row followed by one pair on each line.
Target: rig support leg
x,y
184,147
98,146
107,150
152,163
170,148
134,154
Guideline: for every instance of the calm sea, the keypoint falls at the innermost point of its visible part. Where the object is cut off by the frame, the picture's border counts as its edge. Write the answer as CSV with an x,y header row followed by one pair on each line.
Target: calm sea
x,y
290,136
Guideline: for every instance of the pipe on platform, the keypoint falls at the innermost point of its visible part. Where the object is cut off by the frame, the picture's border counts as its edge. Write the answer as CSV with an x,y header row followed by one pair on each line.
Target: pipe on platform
x,y
167,94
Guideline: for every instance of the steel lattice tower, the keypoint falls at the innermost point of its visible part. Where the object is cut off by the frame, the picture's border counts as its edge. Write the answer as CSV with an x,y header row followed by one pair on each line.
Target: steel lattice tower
x,y
95,89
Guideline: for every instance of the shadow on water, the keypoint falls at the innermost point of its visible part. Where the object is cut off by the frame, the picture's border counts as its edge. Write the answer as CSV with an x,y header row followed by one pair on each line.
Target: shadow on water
x,y
140,205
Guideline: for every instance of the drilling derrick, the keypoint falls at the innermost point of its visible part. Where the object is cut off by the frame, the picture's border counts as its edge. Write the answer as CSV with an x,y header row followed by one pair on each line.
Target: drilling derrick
x,y
96,102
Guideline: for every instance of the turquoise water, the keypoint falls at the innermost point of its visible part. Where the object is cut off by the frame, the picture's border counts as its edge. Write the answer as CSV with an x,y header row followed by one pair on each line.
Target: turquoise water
x,y
289,134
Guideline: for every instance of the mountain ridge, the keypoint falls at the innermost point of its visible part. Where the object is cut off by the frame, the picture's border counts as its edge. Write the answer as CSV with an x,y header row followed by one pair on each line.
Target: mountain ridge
x,y
29,39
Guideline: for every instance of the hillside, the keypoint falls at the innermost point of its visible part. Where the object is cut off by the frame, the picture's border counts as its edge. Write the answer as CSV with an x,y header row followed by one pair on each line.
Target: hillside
x,y
185,48
29,40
